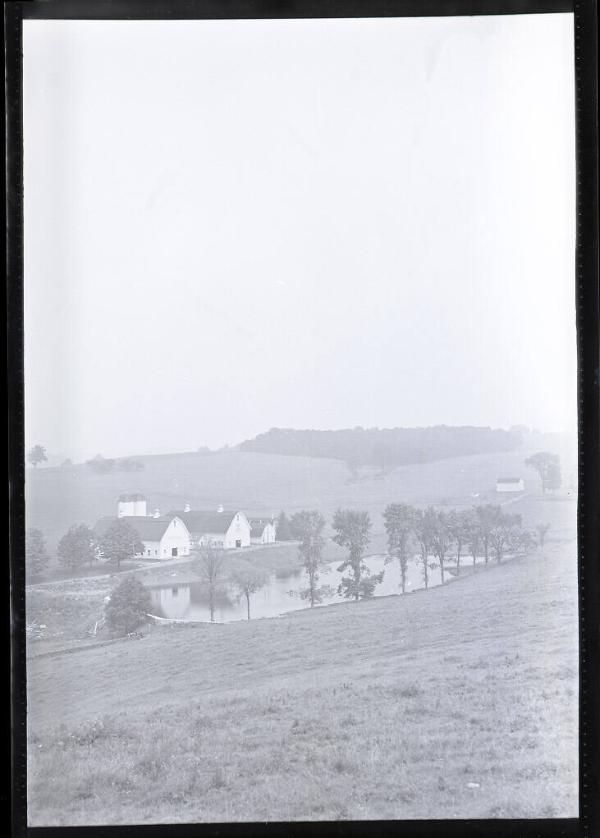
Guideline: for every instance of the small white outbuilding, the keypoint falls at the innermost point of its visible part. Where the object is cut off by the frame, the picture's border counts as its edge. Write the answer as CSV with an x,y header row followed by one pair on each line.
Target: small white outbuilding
x,y
262,530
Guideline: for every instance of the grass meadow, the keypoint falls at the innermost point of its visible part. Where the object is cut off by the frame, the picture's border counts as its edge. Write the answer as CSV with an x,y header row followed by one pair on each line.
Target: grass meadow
x,y
456,703
58,497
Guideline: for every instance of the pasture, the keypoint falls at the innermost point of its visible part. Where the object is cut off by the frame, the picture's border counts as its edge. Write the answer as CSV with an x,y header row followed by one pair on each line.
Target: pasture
x,y
460,702
264,484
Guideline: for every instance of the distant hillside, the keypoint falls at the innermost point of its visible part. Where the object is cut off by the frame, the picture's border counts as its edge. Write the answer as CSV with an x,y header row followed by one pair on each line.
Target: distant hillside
x,y
58,497
385,447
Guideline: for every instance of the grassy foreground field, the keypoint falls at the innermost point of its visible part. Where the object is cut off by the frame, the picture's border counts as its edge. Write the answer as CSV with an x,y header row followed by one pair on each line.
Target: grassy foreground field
x,y
460,702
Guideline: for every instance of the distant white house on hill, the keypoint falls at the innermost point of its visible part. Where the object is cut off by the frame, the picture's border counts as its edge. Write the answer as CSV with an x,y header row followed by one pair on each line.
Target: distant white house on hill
x,y
163,536
262,530
510,484
222,529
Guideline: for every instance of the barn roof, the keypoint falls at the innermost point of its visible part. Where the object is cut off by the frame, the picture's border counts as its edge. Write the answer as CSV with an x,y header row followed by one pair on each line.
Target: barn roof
x,y
148,529
509,480
206,522
134,497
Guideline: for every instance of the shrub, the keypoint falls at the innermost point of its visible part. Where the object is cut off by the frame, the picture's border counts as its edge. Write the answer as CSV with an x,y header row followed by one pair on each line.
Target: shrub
x,y
128,606
77,548
36,556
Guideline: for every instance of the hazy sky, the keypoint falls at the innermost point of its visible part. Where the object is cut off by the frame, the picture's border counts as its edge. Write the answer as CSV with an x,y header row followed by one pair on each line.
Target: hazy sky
x,y
234,225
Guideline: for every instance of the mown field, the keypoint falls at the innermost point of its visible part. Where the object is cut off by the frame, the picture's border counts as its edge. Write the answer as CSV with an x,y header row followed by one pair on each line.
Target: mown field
x,y
459,702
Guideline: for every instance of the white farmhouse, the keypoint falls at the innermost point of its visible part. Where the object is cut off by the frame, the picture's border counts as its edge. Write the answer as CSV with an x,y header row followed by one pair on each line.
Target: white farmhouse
x,y
510,484
262,530
225,530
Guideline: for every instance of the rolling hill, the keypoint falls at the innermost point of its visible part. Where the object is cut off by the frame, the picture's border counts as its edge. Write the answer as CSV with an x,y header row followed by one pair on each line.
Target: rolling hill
x,y
58,497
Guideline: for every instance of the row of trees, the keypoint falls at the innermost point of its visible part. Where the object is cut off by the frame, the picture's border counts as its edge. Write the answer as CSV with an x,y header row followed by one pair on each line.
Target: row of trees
x,y
412,533
106,465
101,465
484,530
421,534
546,464
80,548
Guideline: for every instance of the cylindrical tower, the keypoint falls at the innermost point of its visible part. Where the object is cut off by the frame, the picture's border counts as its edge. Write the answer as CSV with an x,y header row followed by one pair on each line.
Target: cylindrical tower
x,y
131,506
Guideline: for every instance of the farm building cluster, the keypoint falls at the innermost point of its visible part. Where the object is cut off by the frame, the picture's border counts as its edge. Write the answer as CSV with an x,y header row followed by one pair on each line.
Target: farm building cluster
x,y
181,531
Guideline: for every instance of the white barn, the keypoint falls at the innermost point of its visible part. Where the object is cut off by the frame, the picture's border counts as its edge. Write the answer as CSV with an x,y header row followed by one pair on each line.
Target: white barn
x,y
510,484
163,537
262,530
221,529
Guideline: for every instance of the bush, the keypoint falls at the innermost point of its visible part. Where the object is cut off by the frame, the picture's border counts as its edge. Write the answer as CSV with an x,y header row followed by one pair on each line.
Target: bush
x,y
128,606
101,465
36,556
77,548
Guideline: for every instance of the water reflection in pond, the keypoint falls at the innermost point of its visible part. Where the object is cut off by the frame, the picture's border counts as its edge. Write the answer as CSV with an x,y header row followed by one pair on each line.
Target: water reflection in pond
x,y
281,592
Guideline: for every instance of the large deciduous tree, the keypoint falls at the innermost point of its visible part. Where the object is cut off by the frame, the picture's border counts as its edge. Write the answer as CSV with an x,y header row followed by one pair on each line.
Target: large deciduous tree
x,y
473,534
209,565
547,466
128,606
399,523
77,548
282,528
353,532
309,525
459,527
119,542
36,555
440,536
248,580
504,534
488,516
423,526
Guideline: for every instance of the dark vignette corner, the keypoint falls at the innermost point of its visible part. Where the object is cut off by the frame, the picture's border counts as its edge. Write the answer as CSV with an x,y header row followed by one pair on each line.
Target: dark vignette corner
x,y
15,571
588,342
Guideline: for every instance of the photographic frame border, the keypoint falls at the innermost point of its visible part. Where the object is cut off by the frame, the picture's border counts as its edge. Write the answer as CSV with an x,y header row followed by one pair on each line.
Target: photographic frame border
x,y
588,342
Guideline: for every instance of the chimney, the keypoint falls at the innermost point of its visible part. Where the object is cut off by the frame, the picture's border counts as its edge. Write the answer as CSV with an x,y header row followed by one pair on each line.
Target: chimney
x,y
187,507
156,513
220,508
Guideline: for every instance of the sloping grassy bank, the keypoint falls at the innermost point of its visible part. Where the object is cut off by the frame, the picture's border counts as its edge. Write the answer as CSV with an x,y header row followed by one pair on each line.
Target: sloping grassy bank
x,y
459,702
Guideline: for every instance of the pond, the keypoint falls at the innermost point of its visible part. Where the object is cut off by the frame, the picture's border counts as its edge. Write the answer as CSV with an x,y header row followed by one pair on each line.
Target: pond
x,y
281,594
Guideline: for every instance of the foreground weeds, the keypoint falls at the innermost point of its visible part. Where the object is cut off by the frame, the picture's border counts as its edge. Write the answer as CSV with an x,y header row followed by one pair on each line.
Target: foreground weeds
x,y
386,750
